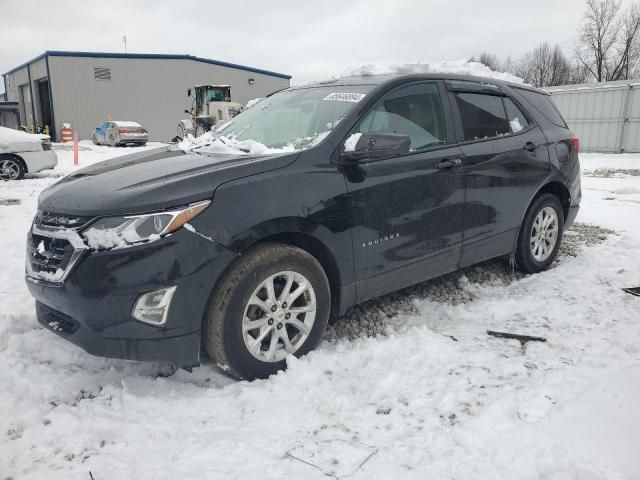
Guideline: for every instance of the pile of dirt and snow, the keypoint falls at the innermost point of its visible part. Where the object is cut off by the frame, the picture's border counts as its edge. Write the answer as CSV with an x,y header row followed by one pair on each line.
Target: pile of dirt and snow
x,y
460,67
612,172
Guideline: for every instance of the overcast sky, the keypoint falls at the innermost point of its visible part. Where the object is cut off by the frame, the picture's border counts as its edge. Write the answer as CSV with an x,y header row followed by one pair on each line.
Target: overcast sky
x,y
309,40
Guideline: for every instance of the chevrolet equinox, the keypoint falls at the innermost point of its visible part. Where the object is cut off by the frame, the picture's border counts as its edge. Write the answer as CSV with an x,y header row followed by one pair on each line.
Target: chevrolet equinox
x,y
313,200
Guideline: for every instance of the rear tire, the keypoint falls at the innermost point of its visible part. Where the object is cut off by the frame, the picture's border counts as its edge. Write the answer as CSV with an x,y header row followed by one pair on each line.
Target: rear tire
x,y
11,168
247,340
112,141
540,235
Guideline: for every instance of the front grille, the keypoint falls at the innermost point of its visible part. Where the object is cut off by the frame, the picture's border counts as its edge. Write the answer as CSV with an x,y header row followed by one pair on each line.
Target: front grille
x,y
53,247
48,255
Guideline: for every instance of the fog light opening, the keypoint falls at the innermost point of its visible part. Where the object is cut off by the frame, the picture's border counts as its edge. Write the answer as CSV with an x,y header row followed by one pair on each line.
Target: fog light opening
x,y
153,307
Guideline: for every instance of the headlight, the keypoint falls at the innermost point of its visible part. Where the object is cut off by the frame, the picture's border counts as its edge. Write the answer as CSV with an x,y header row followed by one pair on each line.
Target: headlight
x,y
120,232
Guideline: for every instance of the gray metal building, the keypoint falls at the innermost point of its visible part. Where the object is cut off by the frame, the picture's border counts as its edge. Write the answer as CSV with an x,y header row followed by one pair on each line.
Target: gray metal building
x,y
85,88
605,116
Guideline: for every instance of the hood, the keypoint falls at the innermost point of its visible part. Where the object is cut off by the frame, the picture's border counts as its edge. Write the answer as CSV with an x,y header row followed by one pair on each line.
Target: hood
x,y
152,180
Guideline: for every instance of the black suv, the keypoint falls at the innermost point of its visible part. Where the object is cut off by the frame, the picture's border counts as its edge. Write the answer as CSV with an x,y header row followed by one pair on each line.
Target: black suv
x,y
313,200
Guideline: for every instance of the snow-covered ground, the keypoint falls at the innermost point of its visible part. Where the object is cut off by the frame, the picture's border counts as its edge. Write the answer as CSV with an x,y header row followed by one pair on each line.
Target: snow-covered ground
x,y
435,397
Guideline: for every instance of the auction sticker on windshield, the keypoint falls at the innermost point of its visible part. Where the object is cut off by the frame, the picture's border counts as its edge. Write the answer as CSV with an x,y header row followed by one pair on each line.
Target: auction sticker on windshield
x,y
344,97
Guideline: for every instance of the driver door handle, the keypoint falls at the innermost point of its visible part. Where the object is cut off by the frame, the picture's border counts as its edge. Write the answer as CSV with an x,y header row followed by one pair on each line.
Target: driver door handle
x,y
449,163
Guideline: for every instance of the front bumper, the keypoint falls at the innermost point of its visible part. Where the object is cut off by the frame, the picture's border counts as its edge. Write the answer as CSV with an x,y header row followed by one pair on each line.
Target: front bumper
x,y
93,306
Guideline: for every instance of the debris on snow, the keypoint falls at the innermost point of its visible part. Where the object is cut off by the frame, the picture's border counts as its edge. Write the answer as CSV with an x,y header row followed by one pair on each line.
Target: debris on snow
x,y
523,339
335,458
633,291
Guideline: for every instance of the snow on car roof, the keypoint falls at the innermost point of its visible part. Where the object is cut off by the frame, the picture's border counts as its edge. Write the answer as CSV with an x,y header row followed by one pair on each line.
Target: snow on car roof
x,y
122,123
453,69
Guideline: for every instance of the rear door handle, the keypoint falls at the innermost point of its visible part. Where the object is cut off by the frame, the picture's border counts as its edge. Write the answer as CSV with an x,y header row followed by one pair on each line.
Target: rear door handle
x,y
449,163
530,146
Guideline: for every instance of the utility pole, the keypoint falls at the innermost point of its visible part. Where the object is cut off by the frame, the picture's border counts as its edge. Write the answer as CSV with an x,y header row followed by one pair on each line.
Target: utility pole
x,y
124,39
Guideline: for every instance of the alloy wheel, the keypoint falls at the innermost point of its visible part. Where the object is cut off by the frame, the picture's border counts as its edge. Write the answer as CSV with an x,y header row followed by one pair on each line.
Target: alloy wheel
x,y
9,169
279,316
544,234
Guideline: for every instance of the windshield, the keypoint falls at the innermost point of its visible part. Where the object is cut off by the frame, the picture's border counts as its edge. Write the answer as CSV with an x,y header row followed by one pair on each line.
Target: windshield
x,y
218,94
289,120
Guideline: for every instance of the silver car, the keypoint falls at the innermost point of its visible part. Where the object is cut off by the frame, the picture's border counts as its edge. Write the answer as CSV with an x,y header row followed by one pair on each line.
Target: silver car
x,y
119,132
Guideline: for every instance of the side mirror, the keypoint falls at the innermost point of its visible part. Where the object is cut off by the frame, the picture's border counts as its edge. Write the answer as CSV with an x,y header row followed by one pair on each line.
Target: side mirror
x,y
375,146
188,92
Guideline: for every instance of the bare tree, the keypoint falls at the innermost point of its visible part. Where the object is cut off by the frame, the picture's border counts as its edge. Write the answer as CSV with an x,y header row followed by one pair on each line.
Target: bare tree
x,y
546,66
609,45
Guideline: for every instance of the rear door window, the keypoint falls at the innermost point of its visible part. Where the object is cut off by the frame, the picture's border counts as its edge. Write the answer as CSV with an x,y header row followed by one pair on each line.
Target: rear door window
x,y
483,116
545,105
414,110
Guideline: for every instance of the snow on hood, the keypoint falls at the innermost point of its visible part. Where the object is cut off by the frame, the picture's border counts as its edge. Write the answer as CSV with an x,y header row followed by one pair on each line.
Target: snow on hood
x,y
460,67
212,143
16,141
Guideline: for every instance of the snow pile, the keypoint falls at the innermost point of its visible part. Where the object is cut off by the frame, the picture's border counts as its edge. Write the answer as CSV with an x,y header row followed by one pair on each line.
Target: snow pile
x,y
253,101
434,397
212,143
460,67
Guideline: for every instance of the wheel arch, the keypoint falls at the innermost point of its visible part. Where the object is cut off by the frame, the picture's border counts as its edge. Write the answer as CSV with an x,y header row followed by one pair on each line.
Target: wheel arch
x,y
17,157
553,186
558,189
317,249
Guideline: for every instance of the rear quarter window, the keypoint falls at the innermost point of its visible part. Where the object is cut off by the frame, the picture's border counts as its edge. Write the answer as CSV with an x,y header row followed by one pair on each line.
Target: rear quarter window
x,y
544,105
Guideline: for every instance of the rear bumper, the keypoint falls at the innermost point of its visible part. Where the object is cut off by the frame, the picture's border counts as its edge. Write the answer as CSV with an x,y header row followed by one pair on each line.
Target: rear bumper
x,y
132,138
37,161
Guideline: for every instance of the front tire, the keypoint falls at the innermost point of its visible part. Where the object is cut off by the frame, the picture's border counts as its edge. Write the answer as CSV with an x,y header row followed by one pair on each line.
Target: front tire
x,y
275,301
540,235
200,130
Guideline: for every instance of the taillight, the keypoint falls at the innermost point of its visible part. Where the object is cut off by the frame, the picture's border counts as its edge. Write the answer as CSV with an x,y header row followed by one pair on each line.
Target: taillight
x,y
46,145
575,143
121,131
142,130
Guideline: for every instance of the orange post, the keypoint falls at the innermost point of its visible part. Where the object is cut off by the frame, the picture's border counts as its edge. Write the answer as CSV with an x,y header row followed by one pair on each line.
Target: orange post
x,y
75,148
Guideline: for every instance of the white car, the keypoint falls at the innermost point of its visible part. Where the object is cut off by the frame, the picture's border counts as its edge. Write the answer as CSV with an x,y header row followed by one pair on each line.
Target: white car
x,y
22,152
